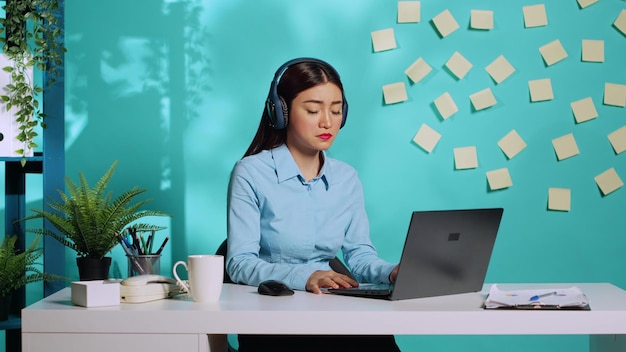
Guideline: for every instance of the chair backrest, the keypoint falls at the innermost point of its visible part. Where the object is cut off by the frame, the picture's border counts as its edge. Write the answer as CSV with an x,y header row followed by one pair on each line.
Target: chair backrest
x,y
221,250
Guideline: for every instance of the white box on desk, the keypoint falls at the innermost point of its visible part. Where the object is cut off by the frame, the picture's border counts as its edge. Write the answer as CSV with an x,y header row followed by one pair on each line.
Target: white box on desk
x,y
97,293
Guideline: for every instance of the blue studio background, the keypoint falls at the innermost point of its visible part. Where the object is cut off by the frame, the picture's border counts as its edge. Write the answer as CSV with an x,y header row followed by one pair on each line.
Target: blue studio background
x,y
174,90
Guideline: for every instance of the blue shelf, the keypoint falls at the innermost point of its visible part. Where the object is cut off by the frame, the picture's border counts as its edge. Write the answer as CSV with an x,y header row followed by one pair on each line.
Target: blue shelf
x,y
13,323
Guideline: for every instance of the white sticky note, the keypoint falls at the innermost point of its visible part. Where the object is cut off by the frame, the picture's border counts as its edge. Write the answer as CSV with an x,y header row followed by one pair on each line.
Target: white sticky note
x,y
511,144
535,16
553,52
559,199
481,19
427,138
593,50
409,11
540,89
458,65
620,22
500,69
618,139
499,179
565,146
586,3
584,110
446,105
395,93
418,70
609,181
384,39
465,158
483,99
615,94
445,23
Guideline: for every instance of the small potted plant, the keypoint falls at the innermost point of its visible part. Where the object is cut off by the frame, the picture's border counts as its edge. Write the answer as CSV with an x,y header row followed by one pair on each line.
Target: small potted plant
x,y
18,268
32,38
87,220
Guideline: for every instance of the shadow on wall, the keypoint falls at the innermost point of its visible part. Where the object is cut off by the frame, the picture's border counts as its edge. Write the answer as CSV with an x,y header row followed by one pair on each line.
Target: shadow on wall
x,y
133,82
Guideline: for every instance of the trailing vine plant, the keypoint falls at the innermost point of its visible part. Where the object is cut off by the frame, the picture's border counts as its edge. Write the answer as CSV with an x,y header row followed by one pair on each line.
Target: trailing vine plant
x,y
31,38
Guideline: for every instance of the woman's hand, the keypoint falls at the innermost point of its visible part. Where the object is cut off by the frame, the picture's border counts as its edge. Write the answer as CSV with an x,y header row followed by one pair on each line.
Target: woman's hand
x,y
394,274
328,278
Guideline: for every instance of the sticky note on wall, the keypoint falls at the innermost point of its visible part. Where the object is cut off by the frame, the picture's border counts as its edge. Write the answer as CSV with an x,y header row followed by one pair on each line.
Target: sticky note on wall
x,y
483,99
560,199
409,11
458,65
618,139
553,52
394,93
499,179
418,70
535,16
511,144
584,110
540,89
481,19
383,39
427,138
565,146
609,181
465,158
615,94
500,69
445,23
446,105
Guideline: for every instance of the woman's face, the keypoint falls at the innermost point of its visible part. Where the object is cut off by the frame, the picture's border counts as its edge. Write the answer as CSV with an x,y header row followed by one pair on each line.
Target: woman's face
x,y
314,118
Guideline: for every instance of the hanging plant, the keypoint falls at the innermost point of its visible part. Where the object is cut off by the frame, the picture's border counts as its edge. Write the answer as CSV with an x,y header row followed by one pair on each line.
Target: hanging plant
x,y
32,38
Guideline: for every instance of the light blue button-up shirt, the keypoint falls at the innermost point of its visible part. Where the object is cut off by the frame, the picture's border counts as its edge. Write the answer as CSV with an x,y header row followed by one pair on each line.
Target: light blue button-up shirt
x,y
284,228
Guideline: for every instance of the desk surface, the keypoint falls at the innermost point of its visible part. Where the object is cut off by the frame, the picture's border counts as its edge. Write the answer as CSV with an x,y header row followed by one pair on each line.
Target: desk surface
x,y
242,310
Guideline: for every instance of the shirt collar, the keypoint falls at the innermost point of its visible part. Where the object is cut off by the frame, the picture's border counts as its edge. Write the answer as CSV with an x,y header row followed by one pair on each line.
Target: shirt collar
x,y
286,167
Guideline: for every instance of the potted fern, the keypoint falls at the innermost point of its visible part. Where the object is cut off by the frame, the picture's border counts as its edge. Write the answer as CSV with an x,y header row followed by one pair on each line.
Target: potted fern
x,y
87,219
17,269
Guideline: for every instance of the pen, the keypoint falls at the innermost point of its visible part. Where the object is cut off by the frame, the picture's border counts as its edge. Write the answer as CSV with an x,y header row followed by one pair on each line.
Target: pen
x,y
162,245
537,297
130,254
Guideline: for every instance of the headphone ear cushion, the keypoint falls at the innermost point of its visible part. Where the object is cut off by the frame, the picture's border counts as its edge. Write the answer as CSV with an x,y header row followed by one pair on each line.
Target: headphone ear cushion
x,y
285,111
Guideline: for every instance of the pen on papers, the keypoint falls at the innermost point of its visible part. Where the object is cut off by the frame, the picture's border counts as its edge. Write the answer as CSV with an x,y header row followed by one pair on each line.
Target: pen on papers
x,y
537,297
162,245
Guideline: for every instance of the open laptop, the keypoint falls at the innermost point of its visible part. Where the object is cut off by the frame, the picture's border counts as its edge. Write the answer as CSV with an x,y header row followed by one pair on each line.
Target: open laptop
x,y
445,252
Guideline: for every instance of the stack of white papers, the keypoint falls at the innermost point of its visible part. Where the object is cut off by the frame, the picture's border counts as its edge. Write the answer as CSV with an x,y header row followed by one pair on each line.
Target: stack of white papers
x,y
545,298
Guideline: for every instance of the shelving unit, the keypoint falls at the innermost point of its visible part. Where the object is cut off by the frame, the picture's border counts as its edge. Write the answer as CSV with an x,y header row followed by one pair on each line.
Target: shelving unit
x,y
51,165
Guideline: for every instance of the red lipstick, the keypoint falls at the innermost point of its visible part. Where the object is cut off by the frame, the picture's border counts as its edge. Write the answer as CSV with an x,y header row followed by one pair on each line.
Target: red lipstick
x,y
325,136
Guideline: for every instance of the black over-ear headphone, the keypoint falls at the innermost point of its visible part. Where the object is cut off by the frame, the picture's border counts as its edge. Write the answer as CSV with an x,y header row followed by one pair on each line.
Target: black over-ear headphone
x,y
277,108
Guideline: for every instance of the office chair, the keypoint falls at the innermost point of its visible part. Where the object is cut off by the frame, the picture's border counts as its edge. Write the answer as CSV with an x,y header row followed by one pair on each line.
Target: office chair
x,y
222,250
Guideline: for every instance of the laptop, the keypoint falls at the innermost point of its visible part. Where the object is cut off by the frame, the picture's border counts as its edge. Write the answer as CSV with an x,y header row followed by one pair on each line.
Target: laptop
x,y
445,252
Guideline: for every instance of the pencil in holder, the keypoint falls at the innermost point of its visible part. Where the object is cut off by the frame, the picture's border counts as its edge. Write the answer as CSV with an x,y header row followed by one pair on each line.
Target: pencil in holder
x,y
144,264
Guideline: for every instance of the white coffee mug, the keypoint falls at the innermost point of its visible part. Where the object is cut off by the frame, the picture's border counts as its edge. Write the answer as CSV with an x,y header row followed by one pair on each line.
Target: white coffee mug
x,y
206,275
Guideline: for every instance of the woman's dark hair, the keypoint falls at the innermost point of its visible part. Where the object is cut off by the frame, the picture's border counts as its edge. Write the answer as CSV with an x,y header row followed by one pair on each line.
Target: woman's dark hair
x,y
297,78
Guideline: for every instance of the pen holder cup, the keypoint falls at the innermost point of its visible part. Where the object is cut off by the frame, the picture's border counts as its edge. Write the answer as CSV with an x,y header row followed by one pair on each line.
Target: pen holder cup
x,y
144,264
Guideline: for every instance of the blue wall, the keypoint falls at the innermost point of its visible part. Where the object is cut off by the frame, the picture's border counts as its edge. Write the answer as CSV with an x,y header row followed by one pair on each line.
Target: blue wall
x,y
175,90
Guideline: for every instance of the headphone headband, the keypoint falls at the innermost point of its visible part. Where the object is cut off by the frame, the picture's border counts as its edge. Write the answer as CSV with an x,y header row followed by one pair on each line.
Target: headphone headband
x,y
277,108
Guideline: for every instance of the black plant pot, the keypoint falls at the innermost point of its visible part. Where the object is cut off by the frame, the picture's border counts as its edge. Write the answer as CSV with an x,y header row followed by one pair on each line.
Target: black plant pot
x,y
90,269
5,307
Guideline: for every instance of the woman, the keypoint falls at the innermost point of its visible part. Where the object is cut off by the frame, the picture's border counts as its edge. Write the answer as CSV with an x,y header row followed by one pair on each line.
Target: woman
x,y
292,208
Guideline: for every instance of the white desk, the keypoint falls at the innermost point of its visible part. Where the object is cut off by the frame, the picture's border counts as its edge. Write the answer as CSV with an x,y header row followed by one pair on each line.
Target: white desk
x,y
179,324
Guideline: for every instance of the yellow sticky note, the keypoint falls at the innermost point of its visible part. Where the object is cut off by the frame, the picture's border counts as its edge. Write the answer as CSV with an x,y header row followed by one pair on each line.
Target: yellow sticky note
x,y
585,3
609,181
620,22
418,70
481,19
458,65
540,89
465,158
584,110
618,139
511,144
409,11
535,16
559,199
593,50
427,138
445,23
384,39
446,105
500,69
615,94
499,179
565,146
553,52
394,93
483,99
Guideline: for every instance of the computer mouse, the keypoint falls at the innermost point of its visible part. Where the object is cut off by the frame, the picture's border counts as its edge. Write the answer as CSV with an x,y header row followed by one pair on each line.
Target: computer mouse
x,y
274,288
